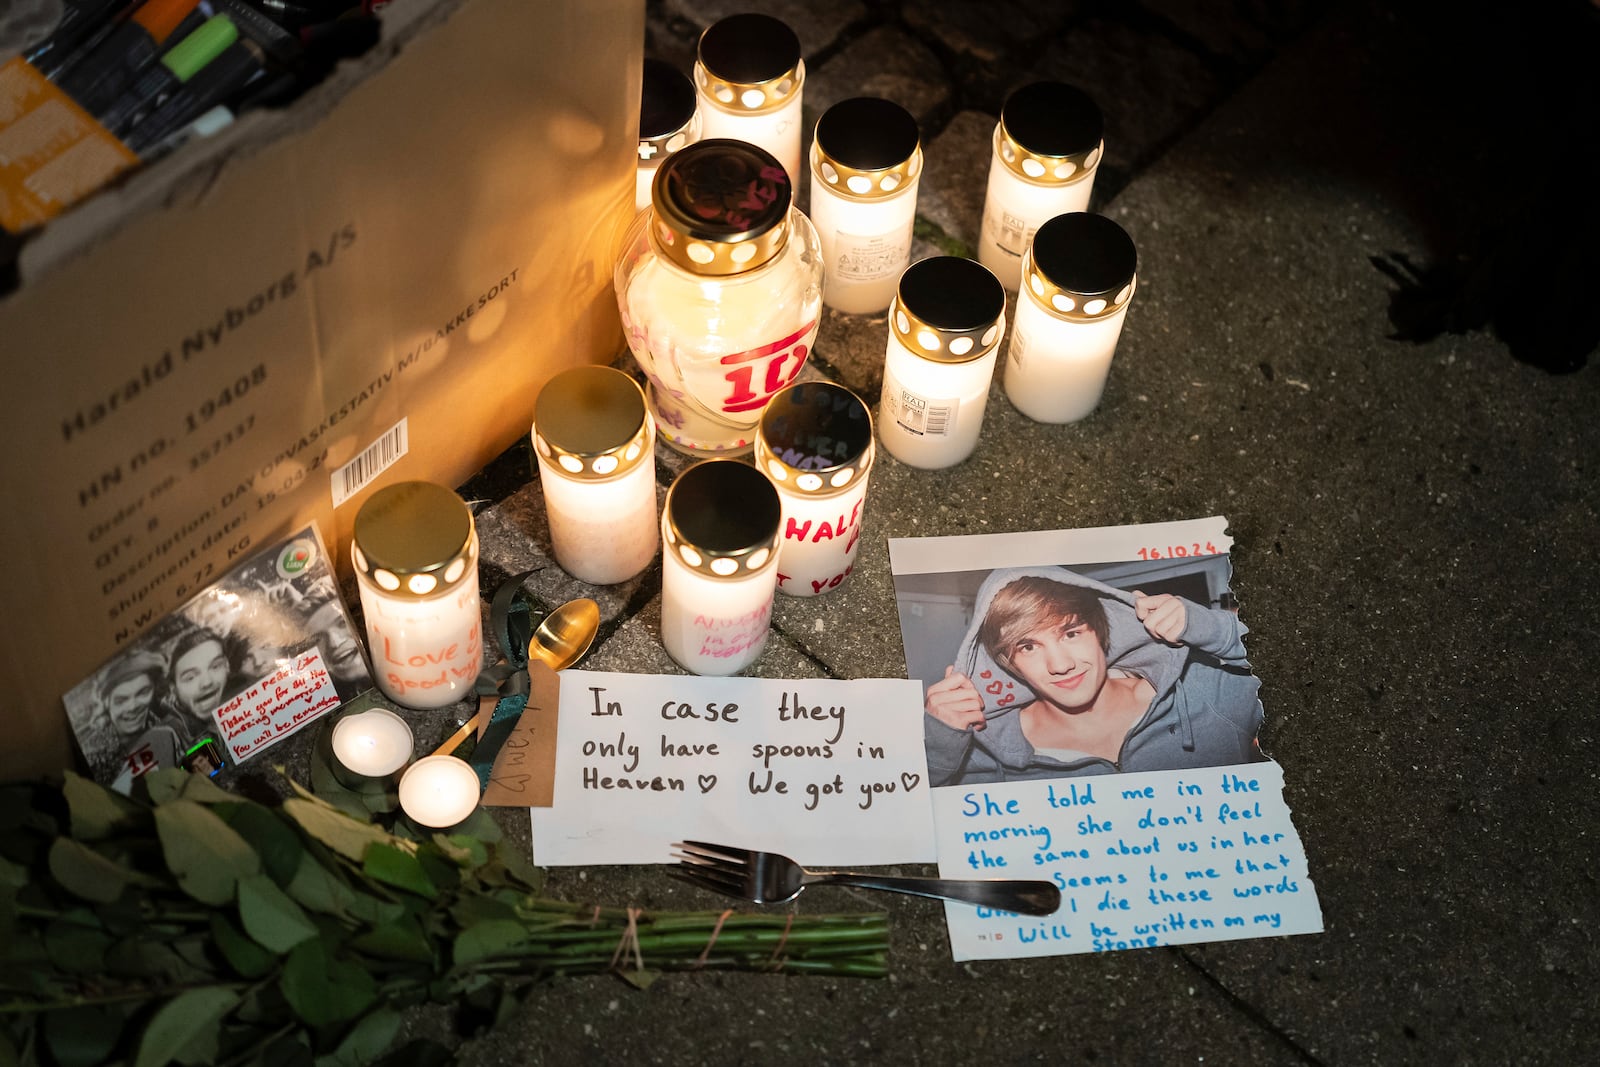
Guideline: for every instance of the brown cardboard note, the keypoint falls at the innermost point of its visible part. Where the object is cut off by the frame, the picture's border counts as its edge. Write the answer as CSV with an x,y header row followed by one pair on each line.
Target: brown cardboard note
x,y
524,774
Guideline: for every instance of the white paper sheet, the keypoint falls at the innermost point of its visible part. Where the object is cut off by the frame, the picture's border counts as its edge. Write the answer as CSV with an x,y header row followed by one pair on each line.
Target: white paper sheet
x,y
829,772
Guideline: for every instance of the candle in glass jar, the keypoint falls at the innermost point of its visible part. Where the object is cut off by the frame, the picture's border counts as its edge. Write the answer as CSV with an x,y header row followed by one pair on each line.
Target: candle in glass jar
x,y
669,118
1078,278
815,443
720,530
596,451
945,327
416,561
866,160
750,80
439,791
720,289
1047,146
371,744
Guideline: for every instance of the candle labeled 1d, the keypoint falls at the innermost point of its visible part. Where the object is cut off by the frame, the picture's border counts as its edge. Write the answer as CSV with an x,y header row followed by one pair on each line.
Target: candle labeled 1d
x,y
719,571
815,443
1078,278
416,560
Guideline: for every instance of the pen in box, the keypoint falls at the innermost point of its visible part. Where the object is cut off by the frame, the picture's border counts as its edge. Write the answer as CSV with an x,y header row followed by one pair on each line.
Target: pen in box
x,y
133,45
216,82
181,63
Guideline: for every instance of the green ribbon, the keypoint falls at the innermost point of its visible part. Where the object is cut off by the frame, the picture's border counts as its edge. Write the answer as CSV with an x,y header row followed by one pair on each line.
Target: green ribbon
x,y
511,623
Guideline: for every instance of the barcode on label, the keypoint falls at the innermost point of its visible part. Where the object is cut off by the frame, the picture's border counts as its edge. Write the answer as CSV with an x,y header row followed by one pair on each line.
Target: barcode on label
x,y
938,421
376,458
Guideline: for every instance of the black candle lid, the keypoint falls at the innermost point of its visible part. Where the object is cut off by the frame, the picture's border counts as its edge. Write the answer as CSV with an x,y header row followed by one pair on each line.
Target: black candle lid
x,y
723,518
721,206
1081,265
666,101
749,49
815,438
1050,132
948,309
867,133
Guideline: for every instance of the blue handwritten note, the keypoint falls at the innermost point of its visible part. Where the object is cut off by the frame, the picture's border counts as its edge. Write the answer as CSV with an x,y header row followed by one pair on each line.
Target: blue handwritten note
x,y
1158,858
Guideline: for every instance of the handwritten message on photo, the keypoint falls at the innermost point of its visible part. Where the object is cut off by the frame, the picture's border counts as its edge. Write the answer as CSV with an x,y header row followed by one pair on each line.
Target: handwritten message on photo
x,y
1090,716
297,692
828,771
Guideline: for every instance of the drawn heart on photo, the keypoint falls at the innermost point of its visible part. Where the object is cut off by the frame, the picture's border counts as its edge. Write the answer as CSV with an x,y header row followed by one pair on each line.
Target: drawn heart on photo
x,y
993,687
986,674
708,782
1008,698
910,780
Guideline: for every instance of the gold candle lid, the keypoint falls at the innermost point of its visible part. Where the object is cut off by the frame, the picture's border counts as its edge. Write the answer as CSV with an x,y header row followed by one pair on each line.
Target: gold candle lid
x,y
591,423
749,63
867,148
815,439
723,519
1081,267
948,309
414,539
1050,133
721,207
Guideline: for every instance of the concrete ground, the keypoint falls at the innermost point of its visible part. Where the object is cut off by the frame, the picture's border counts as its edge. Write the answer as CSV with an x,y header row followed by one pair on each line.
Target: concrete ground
x,y
1414,523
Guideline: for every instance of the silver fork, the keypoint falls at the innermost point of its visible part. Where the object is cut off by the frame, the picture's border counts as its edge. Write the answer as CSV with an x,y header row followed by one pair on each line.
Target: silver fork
x,y
768,878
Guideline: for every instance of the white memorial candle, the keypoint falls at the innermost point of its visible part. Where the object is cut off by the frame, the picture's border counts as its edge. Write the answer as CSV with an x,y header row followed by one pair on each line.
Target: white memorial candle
x,y
439,791
945,327
815,443
750,80
597,467
374,743
1078,280
1047,146
719,566
416,560
668,119
865,164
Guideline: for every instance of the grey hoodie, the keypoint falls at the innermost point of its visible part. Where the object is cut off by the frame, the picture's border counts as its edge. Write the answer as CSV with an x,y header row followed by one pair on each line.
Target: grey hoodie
x,y
1206,712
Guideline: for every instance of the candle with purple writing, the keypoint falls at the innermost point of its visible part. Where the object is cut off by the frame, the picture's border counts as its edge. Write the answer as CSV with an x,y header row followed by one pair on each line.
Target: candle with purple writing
x,y
719,568
815,443
439,791
416,561
370,745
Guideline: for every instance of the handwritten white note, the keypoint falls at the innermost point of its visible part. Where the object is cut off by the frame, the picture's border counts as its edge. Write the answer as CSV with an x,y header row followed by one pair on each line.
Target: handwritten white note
x,y
1159,858
829,772
295,693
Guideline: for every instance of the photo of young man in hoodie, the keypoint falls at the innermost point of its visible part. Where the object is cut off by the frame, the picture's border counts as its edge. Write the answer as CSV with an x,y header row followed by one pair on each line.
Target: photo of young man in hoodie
x,y
1060,675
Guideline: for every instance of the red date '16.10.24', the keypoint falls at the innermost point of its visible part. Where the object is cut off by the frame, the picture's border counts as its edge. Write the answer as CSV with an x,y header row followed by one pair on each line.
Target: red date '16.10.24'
x,y
1178,551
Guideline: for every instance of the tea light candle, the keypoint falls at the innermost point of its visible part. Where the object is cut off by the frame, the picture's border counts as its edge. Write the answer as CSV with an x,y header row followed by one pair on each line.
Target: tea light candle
x,y
371,744
416,561
945,327
750,78
719,566
815,443
1047,147
669,118
439,791
597,467
1078,280
866,160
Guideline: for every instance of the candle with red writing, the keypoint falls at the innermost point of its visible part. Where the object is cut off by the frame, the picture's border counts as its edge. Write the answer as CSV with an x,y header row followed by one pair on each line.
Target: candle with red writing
x,y
720,288
720,530
416,561
815,443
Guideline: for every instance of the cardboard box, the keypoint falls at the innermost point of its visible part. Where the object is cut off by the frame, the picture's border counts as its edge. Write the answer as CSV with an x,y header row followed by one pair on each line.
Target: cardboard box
x,y
397,263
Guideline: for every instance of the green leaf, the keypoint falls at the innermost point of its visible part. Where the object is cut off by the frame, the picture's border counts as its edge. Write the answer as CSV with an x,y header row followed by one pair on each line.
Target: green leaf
x,y
81,1037
338,831
165,784
202,790
85,873
399,868
319,889
639,979
324,990
75,948
403,940
204,853
485,939
248,959
183,1019
97,812
277,844
366,1041
272,919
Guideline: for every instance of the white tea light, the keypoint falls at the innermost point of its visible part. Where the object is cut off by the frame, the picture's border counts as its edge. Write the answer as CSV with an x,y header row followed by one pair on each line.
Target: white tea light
x,y
1047,147
750,79
439,791
866,161
719,566
815,444
416,560
669,119
597,467
945,327
1078,279
375,743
